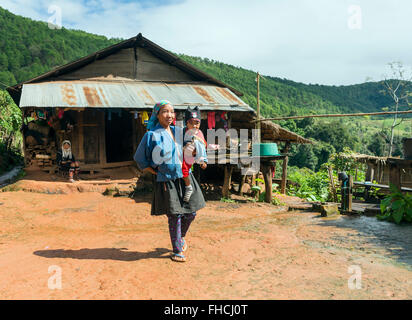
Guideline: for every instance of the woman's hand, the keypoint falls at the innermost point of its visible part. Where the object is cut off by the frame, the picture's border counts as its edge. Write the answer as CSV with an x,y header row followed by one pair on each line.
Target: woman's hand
x,y
189,148
203,165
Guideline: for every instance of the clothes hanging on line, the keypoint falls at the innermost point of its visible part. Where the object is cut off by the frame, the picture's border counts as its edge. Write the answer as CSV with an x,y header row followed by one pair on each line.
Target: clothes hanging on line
x,y
223,118
145,117
211,120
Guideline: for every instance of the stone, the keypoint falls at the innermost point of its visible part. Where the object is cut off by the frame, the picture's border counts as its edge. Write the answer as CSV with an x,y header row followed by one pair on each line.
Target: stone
x,y
328,209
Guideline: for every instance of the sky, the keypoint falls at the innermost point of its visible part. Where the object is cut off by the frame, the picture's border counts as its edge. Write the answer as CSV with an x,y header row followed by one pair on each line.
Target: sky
x,y
331,42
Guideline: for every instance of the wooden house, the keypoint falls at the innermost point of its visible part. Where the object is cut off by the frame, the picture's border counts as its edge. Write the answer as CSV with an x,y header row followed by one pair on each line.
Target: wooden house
x,y
100,102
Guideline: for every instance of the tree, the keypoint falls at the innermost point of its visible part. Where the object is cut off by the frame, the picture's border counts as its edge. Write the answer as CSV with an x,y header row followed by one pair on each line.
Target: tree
x,y
398,88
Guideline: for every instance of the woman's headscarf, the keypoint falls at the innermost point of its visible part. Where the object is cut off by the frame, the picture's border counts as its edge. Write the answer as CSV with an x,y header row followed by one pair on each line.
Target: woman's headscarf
x,y
153,121
66,153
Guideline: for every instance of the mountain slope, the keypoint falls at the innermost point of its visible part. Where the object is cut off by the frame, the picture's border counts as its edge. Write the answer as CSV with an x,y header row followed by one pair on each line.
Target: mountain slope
x,y
282,97
29,48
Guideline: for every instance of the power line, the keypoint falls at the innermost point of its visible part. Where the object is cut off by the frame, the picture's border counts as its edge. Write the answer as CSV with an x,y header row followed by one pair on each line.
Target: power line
x,y
336,115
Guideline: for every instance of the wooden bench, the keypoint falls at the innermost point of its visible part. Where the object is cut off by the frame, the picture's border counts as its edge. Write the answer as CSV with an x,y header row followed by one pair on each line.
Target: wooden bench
x,y
367,185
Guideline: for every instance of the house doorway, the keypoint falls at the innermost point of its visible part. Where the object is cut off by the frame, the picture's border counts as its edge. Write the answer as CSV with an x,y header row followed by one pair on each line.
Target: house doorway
x,y
119,133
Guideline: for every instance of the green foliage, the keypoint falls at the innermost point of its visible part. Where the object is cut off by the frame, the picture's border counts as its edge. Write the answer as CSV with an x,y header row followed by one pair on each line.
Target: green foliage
x,y
310,185
10,114
343,161
9,158
285,97
10,122
277,202
396,207
29,48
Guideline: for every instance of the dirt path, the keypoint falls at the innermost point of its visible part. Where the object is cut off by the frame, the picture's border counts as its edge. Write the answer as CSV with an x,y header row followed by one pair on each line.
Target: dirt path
x,y
111,248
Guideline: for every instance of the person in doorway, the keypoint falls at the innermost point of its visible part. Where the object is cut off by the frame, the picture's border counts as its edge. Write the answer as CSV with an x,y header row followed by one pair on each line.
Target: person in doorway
x,y
65,160
160,153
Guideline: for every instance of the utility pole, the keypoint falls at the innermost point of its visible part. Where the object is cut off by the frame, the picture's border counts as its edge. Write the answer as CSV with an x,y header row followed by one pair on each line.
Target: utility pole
x,y
258,106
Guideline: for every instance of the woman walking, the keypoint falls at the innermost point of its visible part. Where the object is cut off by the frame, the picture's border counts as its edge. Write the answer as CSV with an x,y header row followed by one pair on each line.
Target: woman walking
x,y
160,152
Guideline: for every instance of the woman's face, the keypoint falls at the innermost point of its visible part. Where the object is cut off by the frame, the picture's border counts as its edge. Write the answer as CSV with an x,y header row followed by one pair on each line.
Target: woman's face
x,y
166,115
66,146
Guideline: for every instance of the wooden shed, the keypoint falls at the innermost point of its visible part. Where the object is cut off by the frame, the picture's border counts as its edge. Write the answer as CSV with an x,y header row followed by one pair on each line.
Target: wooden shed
x,y
380,172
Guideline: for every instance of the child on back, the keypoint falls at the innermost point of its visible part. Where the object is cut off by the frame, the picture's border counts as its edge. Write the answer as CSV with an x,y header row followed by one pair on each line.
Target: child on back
x,y
192,136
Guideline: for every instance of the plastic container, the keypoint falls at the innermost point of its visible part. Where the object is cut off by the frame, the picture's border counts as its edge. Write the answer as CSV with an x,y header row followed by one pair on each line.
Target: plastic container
x,y
265,149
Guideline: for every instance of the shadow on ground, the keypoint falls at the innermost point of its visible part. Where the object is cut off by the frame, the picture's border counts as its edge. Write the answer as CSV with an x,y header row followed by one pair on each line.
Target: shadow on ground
x,y
104,254
396,239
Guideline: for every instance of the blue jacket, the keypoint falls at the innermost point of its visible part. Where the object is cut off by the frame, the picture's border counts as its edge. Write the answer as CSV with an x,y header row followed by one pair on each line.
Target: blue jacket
x,y
159,151
201,154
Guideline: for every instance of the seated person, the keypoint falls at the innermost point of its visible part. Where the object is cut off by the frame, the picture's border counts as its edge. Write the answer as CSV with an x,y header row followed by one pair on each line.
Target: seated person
x,y
65,160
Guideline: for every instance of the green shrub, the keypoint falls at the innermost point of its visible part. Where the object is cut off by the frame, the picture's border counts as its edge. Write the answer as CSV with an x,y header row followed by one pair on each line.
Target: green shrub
x,y
312,186
396,207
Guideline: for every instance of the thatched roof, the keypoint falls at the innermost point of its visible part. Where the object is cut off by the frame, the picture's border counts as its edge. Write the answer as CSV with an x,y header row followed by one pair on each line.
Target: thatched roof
x,y
274,132
364,158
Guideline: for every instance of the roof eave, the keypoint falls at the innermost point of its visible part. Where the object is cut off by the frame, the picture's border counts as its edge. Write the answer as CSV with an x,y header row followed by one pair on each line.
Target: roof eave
x,y
15,91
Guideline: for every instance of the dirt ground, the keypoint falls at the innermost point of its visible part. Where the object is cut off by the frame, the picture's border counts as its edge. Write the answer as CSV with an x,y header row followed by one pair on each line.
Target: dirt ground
x,y
111,248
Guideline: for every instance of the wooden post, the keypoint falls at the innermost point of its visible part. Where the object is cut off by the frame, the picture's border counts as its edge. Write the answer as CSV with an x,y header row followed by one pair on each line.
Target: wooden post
x,y
267,175
227,181
369,172
242,182
284,169
24,140
80,119
102,137
350,193
332,184
284,175
395,175
258,107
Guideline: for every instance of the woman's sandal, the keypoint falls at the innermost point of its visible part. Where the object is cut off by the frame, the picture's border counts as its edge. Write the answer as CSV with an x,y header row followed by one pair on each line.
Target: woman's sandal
x,y
178,257
184,247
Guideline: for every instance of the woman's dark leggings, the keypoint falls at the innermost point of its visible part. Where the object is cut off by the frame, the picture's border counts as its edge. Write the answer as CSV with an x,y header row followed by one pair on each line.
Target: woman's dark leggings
x,y
178,226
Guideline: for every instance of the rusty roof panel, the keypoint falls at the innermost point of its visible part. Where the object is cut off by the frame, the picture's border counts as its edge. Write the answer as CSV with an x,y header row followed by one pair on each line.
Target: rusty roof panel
x,y
134,95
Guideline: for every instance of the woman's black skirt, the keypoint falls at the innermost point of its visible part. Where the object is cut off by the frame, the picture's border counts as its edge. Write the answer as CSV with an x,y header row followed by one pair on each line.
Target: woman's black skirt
x,y
168,197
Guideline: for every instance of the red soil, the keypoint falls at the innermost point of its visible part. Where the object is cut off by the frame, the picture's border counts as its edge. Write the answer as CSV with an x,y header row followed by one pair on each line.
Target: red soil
x,y
111,248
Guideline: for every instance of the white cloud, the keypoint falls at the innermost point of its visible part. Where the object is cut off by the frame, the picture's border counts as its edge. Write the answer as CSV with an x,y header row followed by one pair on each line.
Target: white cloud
x,y
302,40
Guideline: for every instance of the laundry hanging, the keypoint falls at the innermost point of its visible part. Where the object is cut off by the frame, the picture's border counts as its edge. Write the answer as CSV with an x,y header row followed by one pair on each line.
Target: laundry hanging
x,y
211,121
145,118
223,118
60,113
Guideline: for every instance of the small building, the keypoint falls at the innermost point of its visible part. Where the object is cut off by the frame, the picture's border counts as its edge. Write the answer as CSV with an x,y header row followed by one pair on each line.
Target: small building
x,y
381,172
100,103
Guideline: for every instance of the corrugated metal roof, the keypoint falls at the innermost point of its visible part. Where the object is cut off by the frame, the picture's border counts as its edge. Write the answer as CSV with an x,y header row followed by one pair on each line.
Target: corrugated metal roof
x,y
136,95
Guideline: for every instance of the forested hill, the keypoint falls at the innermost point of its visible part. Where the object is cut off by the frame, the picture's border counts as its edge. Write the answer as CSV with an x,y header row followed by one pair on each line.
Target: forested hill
x,y
284,97
29,48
